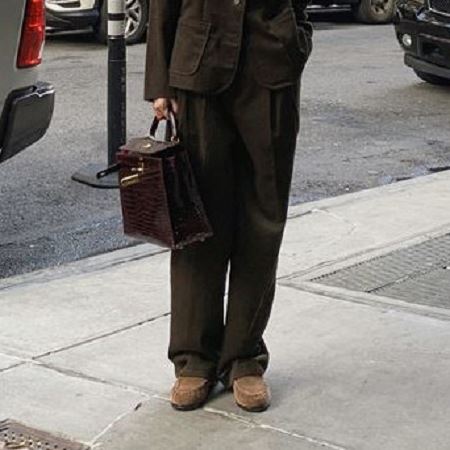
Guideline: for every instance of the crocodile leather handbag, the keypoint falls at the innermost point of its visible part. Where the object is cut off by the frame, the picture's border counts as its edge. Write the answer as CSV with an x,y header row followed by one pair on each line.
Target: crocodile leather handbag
x,y
158,192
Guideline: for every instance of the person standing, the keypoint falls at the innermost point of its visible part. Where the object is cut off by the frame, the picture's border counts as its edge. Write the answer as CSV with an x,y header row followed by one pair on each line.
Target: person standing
x,y
230,70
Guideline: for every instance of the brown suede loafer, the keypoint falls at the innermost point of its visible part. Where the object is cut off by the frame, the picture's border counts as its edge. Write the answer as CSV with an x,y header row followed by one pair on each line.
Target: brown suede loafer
x,y
189,393
251,393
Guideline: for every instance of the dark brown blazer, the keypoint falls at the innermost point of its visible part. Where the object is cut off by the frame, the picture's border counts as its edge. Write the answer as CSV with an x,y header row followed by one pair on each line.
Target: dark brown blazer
x,y
195,45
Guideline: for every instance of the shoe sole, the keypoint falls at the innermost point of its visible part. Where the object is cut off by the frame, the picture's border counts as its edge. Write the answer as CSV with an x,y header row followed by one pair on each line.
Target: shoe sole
x,y
255,408
187,407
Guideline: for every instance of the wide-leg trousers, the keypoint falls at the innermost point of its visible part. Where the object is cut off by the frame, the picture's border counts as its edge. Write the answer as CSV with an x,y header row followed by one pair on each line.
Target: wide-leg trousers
x,y
242,145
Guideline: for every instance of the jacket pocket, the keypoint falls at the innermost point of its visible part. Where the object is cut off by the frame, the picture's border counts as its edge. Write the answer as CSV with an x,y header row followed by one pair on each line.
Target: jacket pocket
x,y
284,27
189,46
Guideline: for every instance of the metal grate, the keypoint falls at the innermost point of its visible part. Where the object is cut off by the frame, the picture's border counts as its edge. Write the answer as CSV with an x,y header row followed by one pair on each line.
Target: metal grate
x,y
418,274
432,289
442,6
14,435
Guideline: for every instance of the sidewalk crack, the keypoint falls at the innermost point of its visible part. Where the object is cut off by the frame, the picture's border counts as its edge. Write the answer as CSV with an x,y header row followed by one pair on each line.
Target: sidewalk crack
x,y
94,442
262,426
353,226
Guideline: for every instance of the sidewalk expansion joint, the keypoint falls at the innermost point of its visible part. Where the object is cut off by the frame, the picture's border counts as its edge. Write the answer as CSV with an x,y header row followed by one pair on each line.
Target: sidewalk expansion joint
x,y
102,336
255,425
80,375
12,367
262,426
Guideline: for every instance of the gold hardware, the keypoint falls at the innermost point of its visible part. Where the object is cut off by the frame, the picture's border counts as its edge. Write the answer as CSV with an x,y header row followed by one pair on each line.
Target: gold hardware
x,y
133,179
130,180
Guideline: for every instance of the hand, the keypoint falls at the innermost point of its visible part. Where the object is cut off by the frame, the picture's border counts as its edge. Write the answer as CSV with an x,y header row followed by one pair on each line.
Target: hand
x,y
162,106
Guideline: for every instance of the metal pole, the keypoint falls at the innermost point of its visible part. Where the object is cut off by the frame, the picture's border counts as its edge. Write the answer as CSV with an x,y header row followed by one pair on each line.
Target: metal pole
x,y
97,175
117,83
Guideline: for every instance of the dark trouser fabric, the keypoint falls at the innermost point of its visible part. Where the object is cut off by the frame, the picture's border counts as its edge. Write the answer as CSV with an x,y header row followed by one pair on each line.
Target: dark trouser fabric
x,y
242,145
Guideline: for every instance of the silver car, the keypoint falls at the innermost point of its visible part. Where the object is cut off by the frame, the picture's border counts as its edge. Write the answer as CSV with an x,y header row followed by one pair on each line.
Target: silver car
x,y
93,14
26,105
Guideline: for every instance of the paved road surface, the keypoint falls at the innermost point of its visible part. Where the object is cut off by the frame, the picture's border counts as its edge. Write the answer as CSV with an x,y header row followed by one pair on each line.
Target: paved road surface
x,y
366,121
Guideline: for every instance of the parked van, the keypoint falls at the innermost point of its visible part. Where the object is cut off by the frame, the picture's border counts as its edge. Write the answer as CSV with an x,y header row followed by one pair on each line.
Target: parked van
x,y
26,105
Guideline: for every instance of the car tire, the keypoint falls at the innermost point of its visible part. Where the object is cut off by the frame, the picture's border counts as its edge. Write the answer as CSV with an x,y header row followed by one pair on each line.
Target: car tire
x,y
374,11
432,79
136,22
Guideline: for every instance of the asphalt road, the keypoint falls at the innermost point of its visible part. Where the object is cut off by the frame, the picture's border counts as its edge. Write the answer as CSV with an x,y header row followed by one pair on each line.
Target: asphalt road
x,y
366,121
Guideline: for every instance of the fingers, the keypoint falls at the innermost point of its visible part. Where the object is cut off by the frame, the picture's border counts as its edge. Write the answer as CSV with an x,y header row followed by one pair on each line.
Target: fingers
x,y
161,108
160,115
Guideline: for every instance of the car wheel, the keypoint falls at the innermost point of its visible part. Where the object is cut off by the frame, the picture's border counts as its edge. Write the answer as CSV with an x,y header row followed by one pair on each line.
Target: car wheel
x,y
374,11
135,21
433,79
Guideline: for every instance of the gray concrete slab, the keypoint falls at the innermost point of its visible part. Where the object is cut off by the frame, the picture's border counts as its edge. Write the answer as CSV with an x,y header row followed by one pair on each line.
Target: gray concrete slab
x,y
323,232
359,377
137,358
58,403
156,426
362,377
38,318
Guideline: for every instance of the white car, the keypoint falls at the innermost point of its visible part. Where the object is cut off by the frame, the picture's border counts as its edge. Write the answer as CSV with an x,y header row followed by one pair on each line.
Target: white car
x,y
26,105
81,14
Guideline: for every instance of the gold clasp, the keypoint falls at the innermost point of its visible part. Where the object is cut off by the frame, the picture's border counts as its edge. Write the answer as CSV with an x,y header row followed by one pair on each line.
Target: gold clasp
x,y
128,181
133,179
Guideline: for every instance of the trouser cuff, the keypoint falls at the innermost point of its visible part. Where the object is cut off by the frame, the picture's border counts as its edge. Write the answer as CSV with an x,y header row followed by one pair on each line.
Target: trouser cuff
x,y
193,365
242,368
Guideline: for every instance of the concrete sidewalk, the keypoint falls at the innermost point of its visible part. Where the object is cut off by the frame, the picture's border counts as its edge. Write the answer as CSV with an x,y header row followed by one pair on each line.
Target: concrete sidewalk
x,y
83,346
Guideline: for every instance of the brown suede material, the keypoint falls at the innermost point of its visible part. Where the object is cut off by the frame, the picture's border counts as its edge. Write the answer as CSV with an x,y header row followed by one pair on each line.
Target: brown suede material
x,y
251,393
190,392
245,367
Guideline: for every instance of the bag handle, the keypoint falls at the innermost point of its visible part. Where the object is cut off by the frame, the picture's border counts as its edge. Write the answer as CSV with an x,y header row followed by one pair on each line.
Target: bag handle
x,y
171,128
